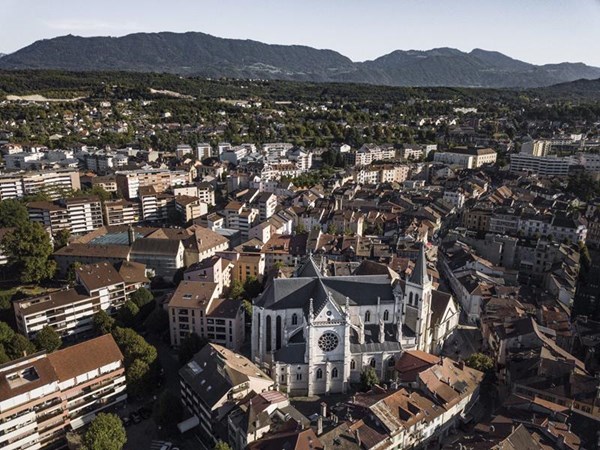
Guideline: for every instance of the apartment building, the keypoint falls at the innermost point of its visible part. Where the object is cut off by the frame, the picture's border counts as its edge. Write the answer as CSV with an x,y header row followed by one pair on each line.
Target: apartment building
x,y
129,182
203,151
545,166
267,203
213,270
163,256
122,212
196,307
155,205
52,182
538,147
43,396
249,265
190,207
77,214
70,312
214,381
206,193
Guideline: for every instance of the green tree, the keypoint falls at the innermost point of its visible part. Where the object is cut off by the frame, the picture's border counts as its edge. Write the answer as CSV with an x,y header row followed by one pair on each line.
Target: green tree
x,y
28,250
71,272
47,339
133,346
141,297
220,445
236,290
157,321
368,378
252,287
167,410
138,376
128,313
103,323
3,356
106,432
19,346
13,213
6,333
189,347
300,228
62,238
481,362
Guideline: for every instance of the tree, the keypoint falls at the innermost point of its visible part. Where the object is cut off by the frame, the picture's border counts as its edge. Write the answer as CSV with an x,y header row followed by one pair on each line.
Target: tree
x,y
62,238
247,305
220,445
19,346
189,347
6,333
106,432
133,346
141,297
236,290
481,362
368,378
157,321
3,356
127,314
167,410
13,213
300,228
71,272
47,339
103,323
28,250
138,377
252,287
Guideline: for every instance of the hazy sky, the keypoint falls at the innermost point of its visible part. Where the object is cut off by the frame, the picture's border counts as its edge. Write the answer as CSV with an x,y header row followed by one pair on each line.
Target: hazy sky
x,y
537,31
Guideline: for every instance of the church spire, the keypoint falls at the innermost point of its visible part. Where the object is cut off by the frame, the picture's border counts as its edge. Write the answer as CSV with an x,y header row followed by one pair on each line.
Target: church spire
x,y
419,275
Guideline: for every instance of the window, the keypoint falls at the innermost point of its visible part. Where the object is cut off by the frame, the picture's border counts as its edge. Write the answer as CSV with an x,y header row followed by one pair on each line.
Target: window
x,y
410,298
386,315
352,365
319,374
294,319
372,362
298,377
367,316
328,341
334,373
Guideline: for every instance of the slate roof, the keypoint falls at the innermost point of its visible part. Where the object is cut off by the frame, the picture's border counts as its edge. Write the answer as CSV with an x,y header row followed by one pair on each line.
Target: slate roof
x,y
419,275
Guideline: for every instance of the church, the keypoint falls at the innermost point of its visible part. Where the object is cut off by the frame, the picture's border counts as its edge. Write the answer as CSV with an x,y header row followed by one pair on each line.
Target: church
x,y
315,334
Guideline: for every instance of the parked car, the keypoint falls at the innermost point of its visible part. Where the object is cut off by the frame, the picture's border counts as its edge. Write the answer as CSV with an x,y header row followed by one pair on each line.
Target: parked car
x,y
145,412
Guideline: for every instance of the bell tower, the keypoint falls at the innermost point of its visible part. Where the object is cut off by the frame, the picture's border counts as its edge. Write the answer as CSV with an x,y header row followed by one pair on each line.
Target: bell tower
x,y
417,301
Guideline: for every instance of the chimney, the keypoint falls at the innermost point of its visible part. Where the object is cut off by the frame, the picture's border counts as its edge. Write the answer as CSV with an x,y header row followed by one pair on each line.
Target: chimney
x,y
324,409
320,425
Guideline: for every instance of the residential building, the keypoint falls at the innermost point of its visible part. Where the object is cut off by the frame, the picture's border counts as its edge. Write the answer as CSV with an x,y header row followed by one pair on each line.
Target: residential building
x,y
197,307
43,396
54,183
214,381
122,212
544,166
77,214
129,182
70,311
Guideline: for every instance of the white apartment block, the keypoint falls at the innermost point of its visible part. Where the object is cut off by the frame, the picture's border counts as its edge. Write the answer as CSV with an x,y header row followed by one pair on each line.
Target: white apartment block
x,y
203,151
536,147
54,183
78,215
70,312
545,166
43,396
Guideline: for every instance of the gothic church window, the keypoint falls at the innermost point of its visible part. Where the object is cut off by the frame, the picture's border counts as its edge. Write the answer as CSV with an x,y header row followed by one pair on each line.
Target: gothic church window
x,y
367,316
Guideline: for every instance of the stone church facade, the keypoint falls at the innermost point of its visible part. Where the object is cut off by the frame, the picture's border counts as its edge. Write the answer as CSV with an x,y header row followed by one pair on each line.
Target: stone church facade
x,y
315,334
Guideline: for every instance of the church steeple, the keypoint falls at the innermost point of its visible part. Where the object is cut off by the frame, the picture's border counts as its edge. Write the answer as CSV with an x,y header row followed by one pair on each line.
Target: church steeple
x,y
419,275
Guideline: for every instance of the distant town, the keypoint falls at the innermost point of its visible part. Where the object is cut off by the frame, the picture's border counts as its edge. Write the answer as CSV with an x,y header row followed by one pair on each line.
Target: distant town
x,y
277,269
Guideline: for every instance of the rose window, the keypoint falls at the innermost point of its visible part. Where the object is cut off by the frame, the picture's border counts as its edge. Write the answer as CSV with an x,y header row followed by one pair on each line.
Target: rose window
x,y
328,341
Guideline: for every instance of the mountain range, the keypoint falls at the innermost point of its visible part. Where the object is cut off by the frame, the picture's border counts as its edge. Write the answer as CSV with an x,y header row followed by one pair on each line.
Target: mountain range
x,y
204,55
